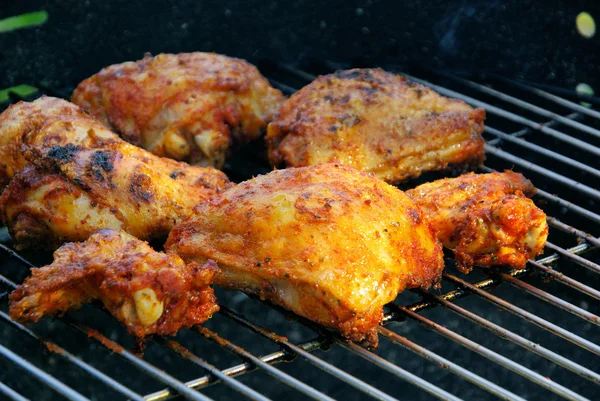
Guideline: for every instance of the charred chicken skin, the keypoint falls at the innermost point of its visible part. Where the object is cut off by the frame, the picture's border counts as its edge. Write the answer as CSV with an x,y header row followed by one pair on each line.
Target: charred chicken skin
x,y
188,106
328,242
485,219
150,292
95,181
44,123
377,122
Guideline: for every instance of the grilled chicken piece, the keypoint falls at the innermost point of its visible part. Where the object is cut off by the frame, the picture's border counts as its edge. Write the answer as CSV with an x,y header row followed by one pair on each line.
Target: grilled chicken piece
x,y
150,292
485,219
44,123
328,242
67,192
377,122
188,107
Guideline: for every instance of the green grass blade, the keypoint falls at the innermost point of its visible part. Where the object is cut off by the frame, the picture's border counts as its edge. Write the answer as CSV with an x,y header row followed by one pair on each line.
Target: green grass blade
x,y
23,21
21,90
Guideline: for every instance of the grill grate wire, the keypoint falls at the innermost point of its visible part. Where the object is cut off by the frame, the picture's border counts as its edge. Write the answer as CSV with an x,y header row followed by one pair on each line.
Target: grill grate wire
x,y
553,128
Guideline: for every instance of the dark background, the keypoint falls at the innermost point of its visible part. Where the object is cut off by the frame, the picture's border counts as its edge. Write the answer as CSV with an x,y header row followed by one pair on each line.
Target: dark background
x,y
535,40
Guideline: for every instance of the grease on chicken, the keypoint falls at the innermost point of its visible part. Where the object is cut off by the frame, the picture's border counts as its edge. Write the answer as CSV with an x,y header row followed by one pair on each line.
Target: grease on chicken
x,y
328,242
148,291
485,219
378,122
96,180
188,106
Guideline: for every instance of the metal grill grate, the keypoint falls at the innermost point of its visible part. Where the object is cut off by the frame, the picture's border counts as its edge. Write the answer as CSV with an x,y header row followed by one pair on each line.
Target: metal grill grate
x,y
553,141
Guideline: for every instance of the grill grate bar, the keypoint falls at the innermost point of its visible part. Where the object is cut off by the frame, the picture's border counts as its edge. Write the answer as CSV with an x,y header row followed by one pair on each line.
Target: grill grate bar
x,y
489,354
394,317
7,283
73,359
321,364
297,72
456,369
491,282
527,131
574,231
146,367
273,358
15,255
450,366
551,299
278,374
392,368
134,360
184,353
568,205
568,281
541,150
398,371
370,356
554,257
567,93
513,117
213,370
588,264
453,295
521,341
282,87
589,191
42,376
548,326
564,203
556,99
12,394
524,105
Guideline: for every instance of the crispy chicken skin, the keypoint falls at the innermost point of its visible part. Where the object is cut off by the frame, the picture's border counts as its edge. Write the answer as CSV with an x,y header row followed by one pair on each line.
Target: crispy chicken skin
x,y
378,122
67,193
485,219
44,123
150,292
188,106
328,242
96,180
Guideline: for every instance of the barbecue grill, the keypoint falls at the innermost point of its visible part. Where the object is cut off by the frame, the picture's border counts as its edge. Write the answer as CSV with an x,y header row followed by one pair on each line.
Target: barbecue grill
x,y
519,334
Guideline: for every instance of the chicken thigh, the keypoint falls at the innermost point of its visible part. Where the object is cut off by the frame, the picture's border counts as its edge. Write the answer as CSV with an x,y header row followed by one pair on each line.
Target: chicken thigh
x,y
328,242
188,106
377,122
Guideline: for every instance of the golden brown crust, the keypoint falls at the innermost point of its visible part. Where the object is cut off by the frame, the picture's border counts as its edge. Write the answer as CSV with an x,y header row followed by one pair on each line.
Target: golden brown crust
x,y
150,292
485,219
378,122
328,242
163,103
83,178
